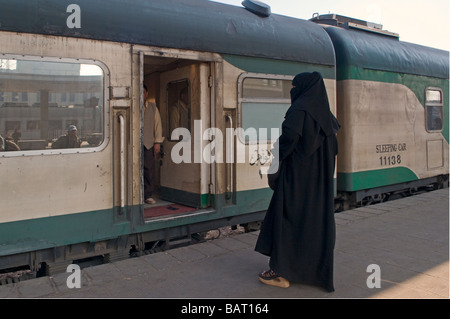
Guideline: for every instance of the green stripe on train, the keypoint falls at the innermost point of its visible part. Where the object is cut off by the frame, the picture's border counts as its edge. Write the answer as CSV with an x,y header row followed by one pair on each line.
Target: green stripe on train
x,y
49,232
92,226
350,182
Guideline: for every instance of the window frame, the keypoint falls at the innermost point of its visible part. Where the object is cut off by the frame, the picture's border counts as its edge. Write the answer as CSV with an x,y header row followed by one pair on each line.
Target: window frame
x,y
434,104
106,106
241,99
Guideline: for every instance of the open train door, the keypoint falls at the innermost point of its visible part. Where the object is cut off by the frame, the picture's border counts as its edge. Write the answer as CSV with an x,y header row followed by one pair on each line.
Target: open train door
x,y
185,107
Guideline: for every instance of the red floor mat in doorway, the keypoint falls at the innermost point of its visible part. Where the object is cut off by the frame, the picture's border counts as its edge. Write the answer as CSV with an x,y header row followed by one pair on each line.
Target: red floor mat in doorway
x,y
166,210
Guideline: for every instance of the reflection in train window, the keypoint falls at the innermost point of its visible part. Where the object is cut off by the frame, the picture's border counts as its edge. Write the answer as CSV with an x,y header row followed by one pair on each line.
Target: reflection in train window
x,y
178,102
41,101
266,88
434,110
264,102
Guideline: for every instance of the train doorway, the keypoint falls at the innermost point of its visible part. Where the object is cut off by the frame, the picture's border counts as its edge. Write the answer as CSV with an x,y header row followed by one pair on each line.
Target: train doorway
x,y
181,90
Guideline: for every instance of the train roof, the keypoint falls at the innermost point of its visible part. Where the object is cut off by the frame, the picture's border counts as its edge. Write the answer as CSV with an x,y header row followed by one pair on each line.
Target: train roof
x,y
198,25
370,47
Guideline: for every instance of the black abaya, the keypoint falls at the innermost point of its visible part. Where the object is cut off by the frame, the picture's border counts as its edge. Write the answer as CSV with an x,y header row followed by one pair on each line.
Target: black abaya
x,y
298,232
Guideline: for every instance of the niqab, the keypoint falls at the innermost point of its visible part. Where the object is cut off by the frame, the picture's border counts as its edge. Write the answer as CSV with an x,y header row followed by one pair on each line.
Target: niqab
x,y
309,95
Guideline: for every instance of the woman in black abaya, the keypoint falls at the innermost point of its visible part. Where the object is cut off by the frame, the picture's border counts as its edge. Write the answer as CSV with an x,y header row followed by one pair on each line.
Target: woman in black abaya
x,y
298,232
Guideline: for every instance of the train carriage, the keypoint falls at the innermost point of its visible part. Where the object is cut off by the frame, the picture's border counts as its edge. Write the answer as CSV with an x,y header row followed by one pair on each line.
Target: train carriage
x,y
64,205
393,100
85,64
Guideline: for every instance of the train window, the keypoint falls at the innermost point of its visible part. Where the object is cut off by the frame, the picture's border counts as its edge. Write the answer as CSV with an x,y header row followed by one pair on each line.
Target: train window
x,y
44,102
434,110
263,102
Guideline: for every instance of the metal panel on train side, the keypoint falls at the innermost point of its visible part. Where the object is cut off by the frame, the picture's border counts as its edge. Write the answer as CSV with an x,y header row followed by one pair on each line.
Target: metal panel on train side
x,y
51,184
381,107
383,139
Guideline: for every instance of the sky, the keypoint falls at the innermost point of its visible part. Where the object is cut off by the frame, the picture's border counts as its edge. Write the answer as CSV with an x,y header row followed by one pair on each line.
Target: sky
x,y
424,22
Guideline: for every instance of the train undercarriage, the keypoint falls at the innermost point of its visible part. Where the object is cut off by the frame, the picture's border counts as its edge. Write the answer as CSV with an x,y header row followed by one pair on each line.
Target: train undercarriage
x,y
350,200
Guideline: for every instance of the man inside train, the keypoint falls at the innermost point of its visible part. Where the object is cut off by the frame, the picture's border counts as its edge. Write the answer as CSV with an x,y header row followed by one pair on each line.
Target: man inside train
x,y
153,137
179,113
69,140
